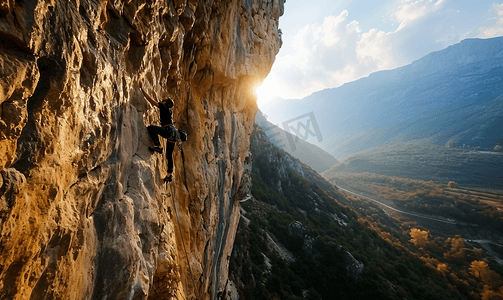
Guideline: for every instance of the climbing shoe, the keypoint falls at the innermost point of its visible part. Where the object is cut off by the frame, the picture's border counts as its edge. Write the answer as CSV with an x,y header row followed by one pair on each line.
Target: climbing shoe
x,y
156,149
168,178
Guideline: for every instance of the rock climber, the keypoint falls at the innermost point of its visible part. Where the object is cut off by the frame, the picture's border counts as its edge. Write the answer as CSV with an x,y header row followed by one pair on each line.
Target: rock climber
x,y
166,130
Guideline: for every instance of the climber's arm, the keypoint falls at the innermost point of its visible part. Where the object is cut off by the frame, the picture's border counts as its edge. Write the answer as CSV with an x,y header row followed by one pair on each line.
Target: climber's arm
x,y
149,99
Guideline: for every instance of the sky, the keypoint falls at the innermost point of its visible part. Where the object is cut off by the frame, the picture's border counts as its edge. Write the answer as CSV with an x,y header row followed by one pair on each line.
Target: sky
x,y
327,43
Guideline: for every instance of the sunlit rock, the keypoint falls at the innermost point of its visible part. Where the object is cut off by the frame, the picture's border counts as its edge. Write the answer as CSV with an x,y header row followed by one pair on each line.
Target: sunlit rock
x,y
84,212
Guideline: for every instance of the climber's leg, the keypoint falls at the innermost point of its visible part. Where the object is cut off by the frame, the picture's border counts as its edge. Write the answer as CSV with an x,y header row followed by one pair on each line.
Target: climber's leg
x,y
169,157
154,132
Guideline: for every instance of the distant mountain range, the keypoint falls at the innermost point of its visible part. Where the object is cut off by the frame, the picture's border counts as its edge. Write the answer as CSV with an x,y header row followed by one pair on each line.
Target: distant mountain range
x,y
453,96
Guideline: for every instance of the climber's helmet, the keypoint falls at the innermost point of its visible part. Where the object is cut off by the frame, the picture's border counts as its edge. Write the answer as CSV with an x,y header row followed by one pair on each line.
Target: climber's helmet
x,y
168,102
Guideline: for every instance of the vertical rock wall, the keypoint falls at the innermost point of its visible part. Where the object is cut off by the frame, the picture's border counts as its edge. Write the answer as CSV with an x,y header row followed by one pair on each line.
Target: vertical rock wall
x,y
84,213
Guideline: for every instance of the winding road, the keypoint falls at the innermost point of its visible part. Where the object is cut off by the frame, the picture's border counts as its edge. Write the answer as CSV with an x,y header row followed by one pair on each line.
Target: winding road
x,y
401,211
485,244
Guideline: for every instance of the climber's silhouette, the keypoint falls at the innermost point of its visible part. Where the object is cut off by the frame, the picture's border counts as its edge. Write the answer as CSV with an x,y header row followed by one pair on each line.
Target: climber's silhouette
x,y
167,131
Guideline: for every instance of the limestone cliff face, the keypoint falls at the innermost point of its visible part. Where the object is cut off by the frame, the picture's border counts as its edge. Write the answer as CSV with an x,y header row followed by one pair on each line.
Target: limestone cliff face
x,y
84,213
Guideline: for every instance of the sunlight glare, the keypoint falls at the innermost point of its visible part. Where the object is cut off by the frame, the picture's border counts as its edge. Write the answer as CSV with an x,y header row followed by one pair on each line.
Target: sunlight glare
x,y
266,92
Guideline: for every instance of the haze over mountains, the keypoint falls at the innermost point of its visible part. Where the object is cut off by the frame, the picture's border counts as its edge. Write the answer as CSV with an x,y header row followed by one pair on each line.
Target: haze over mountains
x,y
424,160
450,97
312,155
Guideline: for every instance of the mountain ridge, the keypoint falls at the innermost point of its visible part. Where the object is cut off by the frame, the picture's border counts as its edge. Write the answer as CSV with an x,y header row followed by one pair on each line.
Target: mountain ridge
x,y
410,102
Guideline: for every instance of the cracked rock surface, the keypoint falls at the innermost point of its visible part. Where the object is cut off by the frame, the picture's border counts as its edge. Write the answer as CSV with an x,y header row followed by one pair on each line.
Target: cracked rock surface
x,y
84,213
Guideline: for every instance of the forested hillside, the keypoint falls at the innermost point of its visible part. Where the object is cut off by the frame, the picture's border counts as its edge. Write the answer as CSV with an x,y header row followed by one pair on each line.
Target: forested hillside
x,y
299,239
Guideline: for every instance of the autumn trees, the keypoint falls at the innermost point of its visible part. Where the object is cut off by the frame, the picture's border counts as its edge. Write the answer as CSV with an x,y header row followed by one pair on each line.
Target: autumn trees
x,y
462,264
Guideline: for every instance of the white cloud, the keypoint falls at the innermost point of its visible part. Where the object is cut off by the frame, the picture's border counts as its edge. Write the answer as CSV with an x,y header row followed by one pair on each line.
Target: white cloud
x,y
328,55
496,29
337,51
374,50
320,53
408,11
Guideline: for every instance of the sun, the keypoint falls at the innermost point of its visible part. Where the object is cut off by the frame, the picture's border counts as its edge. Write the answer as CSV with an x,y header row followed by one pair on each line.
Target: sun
x,y
266,92
260,91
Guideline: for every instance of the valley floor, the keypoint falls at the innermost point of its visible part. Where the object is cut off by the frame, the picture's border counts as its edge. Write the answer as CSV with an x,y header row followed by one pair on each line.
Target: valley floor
x,y
447,226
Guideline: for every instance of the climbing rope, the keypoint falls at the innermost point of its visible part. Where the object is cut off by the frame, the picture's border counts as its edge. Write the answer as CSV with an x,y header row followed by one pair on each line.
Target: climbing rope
x,y
172,192
183,242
